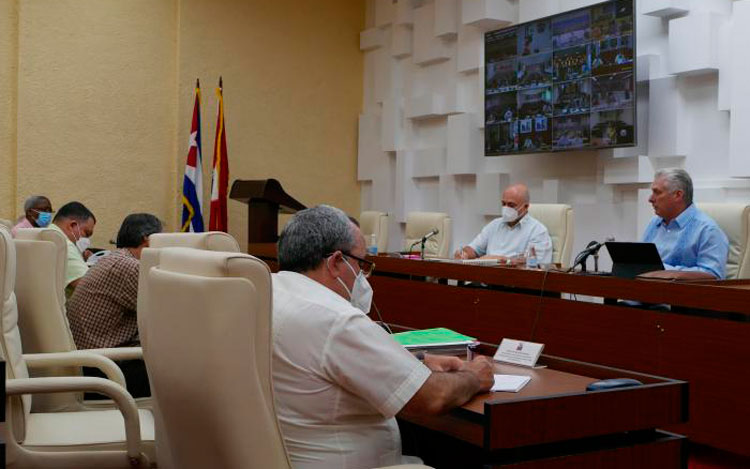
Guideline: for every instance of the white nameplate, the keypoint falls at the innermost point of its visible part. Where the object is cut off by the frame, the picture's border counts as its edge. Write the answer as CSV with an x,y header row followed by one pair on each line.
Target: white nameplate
x,y
518,352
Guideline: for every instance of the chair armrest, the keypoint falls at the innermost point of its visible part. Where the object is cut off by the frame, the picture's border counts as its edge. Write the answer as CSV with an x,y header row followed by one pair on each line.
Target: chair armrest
x,y
117,393
76,358
118,353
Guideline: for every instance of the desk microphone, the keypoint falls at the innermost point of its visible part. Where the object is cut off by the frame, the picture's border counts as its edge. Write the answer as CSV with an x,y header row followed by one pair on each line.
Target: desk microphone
x,y
591,249
430,234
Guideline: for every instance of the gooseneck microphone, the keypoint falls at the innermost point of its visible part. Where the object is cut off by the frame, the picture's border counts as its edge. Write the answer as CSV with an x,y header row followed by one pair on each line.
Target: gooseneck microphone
x,y
430,234
424,239
591,249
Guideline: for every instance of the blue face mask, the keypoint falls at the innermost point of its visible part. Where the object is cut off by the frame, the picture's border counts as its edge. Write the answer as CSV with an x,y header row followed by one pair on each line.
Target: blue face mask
x,y
43,219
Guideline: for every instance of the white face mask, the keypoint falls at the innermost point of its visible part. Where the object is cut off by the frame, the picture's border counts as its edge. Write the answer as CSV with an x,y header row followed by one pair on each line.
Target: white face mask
x,y
509,214
361,294
82,243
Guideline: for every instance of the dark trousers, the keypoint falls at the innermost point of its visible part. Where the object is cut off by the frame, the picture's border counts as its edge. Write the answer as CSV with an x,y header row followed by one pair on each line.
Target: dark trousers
x,y
135,377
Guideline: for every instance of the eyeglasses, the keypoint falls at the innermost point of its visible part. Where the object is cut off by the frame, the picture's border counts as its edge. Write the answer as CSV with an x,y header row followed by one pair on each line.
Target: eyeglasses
x,y
367,267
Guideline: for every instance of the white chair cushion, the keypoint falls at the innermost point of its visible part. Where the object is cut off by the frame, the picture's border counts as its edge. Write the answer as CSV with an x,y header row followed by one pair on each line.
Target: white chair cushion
x,y
83,429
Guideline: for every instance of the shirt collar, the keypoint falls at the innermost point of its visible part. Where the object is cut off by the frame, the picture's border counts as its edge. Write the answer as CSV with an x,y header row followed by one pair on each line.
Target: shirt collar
x,y
683,218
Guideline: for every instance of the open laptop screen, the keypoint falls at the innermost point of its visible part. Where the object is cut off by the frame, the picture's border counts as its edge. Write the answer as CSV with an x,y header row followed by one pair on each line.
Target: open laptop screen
x,y
632,259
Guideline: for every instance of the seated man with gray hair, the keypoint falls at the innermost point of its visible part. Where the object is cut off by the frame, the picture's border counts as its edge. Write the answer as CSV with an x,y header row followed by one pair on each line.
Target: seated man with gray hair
x,y
687,239
37,214
338,377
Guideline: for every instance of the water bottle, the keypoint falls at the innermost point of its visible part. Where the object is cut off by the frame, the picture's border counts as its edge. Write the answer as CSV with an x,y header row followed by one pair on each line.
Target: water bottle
x,y
531,260
372,246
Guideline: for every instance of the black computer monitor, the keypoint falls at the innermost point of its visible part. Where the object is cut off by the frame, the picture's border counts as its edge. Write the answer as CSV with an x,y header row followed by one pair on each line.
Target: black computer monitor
x,y
632,259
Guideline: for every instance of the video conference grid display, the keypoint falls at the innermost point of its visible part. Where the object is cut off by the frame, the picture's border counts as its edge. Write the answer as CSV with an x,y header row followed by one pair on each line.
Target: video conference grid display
x,y
562,83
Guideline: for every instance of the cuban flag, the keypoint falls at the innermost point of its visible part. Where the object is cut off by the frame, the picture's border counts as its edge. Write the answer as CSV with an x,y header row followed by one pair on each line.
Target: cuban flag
x,y
192,183
220,175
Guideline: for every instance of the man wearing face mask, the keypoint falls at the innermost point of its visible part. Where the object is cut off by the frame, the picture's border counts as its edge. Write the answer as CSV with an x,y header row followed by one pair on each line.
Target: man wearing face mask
x,y
509,237
339,379
38,214
76,223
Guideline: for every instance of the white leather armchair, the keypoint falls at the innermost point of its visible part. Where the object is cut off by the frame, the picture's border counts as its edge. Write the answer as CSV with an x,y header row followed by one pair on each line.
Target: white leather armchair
x,y
121,438
372,222
225,299
734,220
209,241
41,255
6,223
558,218
420,223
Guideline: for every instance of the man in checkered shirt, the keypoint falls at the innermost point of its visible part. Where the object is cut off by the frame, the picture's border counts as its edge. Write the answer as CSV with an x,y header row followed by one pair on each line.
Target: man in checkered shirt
x,y
102,310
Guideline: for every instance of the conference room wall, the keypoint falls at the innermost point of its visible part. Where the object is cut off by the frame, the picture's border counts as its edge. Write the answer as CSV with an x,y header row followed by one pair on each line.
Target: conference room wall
x,y
96,99
8,73
421,137
292,74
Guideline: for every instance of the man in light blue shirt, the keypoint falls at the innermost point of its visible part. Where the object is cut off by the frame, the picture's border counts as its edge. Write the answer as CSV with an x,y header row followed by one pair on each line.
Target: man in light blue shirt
x,y
686,238
509,237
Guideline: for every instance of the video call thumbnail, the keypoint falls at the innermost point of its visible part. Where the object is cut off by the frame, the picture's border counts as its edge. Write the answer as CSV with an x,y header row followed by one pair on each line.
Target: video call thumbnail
x,y
562,82
572,132
572,97
572,63
610,128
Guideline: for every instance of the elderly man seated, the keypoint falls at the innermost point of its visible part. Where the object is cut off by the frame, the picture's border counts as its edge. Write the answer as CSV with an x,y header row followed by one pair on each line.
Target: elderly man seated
x,y
338,377
102,309
37,214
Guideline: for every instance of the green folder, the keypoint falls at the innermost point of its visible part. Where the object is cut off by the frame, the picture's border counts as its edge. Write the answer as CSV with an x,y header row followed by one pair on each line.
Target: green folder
x,y
437,337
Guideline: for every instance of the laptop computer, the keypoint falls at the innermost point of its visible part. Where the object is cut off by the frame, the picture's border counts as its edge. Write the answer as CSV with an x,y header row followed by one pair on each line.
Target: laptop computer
x,y
632,259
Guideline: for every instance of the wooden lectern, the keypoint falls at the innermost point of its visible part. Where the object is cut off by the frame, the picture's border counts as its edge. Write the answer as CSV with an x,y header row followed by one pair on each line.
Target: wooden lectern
x,y
264,199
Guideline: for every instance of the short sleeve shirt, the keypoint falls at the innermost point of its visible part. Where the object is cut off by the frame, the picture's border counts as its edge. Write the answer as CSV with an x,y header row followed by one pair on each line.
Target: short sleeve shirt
x,y
338,377
75,266
102,309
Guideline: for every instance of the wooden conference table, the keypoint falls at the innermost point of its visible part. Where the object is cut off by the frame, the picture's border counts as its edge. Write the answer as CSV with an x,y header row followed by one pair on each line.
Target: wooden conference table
x,y
704,339
554,423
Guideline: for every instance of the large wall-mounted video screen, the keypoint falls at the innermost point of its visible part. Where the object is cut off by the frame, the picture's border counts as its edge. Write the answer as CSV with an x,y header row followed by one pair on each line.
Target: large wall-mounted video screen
x,y
564,82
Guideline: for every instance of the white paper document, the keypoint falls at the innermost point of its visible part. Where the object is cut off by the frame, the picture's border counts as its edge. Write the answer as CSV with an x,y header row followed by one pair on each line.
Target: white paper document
x,y
509,383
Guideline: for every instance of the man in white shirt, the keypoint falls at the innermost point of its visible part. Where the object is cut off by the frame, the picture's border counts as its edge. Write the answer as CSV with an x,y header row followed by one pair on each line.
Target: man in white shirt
x,y
509,237
338,377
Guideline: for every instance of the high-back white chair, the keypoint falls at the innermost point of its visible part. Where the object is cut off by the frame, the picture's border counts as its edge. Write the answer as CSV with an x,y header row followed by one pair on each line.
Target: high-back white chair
x,y
734,220
41,255
121,438
6,223
375,223
419,224
225,415
208,241
558,218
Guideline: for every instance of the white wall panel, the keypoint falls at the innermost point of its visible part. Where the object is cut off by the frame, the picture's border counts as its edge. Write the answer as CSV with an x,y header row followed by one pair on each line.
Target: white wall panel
x,y
402,42
489,14
405,12
370,39
667,119
470,53
665,8
385,12
446,18
693,43
465,150
529,10
429,162
427,47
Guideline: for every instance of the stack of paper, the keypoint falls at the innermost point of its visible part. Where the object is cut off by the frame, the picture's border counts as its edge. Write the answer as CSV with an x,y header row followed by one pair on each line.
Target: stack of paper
x,y
509,383
438,341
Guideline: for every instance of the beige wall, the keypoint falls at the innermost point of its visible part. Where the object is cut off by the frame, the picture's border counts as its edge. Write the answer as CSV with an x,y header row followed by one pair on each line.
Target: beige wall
x,y
102,99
